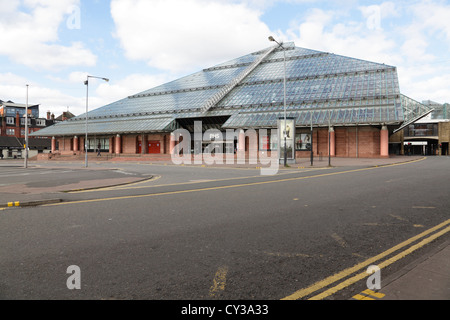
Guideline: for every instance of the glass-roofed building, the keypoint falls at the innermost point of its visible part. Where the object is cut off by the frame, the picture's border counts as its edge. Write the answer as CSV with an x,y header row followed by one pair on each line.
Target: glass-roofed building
x,y
358,101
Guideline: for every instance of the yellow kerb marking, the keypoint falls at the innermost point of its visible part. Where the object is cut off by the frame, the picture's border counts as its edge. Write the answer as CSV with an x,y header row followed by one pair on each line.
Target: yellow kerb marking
x,y
219,281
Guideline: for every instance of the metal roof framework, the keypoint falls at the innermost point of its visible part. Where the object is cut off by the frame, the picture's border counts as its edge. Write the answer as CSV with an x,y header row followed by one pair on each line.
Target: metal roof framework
x,y
321,89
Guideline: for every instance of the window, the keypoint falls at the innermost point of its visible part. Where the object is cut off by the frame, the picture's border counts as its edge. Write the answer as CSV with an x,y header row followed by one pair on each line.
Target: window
x,y
94,143
40,122
303,141
10,132
22,121
9,120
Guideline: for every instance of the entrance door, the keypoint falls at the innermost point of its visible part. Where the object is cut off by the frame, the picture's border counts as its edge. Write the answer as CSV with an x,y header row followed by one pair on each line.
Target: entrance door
x,y
154,147
139,147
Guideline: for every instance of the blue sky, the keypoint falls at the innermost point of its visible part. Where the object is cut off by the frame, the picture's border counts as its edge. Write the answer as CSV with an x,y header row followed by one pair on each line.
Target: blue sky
x,y
139,44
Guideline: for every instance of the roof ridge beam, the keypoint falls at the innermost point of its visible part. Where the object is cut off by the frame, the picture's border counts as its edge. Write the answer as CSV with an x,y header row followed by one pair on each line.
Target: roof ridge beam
x,y
216,98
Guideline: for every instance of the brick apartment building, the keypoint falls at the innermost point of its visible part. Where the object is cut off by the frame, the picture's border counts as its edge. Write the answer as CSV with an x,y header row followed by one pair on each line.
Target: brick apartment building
x,y
353,106
12,129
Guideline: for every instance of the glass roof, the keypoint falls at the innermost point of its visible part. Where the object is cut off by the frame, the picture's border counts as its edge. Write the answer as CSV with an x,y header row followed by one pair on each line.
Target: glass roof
x,y
108,126
324,86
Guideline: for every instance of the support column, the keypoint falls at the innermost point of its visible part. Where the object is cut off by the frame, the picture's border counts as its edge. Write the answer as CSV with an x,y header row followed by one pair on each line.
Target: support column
x,y
75,144
384,142
172,143
53,144
82,144
144,144
118,146
332,142
241,140
111,145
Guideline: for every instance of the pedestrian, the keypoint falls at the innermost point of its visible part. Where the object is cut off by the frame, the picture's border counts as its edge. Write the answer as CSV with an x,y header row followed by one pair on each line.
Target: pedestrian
x,y
98,150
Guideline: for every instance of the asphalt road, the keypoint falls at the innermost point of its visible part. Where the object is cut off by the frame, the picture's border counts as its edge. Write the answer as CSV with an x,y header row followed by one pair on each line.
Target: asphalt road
x,y
203,233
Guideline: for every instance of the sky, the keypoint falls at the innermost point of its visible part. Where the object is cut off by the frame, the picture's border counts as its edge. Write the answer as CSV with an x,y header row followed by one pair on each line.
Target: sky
x,y
52,45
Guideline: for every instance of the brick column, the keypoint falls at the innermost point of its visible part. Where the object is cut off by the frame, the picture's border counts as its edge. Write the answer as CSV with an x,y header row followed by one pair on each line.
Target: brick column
x,y
144,144
172,143
332,142
118,145
82,144
384,142
53,144
111,145
75,144
241,140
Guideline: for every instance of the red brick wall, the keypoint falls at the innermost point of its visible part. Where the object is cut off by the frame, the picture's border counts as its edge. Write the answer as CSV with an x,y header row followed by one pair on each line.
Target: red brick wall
x,y
65,145
368,142
129,144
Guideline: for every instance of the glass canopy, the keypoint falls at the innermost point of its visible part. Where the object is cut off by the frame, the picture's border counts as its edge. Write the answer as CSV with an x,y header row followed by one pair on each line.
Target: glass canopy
x,y
321,89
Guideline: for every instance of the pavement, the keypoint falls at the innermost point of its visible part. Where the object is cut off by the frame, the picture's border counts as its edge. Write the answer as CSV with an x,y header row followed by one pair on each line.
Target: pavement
x,y
427,278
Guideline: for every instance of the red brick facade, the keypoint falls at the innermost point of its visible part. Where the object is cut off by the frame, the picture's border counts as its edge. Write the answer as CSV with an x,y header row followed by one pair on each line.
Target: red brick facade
x,y
350,142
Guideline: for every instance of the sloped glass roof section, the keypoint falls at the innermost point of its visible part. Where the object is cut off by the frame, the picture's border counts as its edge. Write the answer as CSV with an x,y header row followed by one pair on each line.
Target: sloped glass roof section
x,y
104,126
321,89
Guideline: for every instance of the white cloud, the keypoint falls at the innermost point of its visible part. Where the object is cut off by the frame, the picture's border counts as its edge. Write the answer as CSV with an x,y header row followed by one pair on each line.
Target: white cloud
x,y
30,35
12,87
132,84
324,31
182,35
434,16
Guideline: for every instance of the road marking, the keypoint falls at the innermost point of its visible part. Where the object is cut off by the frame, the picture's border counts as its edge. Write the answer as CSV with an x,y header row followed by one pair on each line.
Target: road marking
x,y
381,265
378,295
130,186
287,255
369,295
339,240
14,204
347,272
219,281
222,187
398,218
361,297
424,207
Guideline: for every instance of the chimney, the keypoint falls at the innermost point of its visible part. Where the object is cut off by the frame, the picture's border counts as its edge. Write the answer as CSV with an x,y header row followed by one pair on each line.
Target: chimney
x,y
64,117
48,115
53,116
17,130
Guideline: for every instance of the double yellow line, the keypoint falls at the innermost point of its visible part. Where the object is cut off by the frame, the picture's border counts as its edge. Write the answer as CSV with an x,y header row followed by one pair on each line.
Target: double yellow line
x,y
436,232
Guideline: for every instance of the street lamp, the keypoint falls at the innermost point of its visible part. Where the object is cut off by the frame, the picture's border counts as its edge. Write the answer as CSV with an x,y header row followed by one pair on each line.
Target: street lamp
x,y
285,129
87,99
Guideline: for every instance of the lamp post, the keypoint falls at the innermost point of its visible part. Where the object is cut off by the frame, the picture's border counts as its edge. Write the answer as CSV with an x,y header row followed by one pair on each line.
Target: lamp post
x,y
87,103
26,132
312,137
285,129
